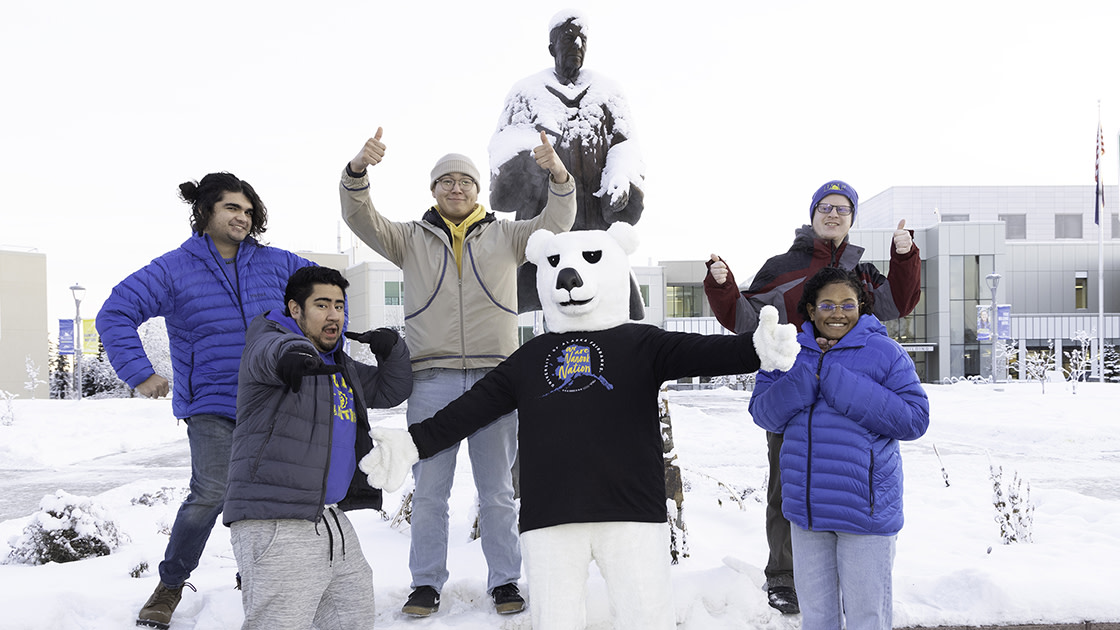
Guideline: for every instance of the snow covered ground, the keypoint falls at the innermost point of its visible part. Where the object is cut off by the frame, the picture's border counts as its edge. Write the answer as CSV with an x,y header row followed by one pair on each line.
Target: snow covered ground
x,y
951,566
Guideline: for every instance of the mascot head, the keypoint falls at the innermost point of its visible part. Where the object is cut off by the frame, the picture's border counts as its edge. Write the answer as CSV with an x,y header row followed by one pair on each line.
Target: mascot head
x,y
584,279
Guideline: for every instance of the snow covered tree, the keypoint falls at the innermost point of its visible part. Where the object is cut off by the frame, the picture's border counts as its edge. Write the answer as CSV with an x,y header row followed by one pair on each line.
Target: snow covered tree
x,y
1038,363
33,381
99,380
153,336
1079,362
1111,364
61,374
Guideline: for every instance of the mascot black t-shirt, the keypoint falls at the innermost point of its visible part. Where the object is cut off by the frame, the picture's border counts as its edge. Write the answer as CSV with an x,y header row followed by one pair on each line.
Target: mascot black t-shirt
x,y
587,408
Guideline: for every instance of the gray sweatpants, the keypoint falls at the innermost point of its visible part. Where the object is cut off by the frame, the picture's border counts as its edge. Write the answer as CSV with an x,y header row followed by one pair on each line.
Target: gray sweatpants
x,y
296,574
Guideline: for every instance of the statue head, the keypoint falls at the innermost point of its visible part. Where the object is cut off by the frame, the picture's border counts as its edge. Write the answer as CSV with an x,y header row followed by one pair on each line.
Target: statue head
x,y
567,43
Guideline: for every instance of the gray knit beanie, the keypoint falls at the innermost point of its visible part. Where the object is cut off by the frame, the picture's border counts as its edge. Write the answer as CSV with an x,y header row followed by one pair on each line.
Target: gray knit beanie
x,y
454,163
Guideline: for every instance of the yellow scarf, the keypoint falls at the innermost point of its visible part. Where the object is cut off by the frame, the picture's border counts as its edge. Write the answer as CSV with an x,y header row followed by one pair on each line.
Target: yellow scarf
x,y
459,232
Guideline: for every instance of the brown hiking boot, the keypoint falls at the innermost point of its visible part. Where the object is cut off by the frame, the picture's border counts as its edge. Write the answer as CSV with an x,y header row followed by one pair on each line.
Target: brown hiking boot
x,y
157,612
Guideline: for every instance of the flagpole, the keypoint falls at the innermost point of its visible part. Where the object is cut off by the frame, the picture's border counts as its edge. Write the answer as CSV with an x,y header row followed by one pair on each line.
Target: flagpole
x,y
1099,192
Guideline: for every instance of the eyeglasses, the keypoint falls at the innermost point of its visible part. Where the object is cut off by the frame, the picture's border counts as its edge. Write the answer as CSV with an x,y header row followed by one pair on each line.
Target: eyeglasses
x,y
465,184
825,208
847,307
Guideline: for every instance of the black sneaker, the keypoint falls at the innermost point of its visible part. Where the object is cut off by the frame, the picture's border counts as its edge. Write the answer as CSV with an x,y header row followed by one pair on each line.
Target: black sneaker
x,y
784,599
157,611
507,599
423,601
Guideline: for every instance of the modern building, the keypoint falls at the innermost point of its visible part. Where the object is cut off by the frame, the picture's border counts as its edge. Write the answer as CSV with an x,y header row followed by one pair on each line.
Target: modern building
x,y
23,321
1041,241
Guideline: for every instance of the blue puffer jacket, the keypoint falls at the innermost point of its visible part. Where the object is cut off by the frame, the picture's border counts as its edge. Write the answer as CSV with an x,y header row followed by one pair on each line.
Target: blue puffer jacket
x,y
843,413
208,305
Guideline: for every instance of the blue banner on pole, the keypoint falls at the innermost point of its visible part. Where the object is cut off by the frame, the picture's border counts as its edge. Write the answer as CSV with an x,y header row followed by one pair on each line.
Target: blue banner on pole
x,y
983,323
1003,321
66,336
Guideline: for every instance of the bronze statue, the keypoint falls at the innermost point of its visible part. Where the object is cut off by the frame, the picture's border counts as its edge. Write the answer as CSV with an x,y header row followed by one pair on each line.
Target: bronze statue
x,y
589,122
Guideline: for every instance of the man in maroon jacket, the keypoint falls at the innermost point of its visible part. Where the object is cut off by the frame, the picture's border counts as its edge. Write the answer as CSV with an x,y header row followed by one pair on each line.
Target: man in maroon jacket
x,y
824,243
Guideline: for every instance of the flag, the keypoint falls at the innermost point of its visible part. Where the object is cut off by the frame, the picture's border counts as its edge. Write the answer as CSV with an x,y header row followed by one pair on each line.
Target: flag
x,y
1099,201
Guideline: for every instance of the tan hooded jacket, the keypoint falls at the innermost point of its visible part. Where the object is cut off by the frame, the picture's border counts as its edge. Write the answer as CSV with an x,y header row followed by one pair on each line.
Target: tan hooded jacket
x,y
451,322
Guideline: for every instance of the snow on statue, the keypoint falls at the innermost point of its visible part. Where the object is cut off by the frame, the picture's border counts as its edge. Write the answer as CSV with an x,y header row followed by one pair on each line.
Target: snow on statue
x,y
590,123
592,474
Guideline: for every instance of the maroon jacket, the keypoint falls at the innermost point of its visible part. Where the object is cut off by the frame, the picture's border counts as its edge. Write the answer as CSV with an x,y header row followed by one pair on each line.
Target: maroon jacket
x,y
782,278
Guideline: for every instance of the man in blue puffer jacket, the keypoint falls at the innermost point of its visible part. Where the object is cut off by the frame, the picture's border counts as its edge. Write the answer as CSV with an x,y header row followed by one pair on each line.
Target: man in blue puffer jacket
x,y
208,290
842,412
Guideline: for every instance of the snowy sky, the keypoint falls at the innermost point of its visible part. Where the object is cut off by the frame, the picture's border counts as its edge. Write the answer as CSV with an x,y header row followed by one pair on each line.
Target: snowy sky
x,y
742,110
951,567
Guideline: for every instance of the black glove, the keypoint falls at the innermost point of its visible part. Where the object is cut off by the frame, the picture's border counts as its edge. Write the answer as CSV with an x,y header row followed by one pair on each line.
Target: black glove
x,y
380,341
296,364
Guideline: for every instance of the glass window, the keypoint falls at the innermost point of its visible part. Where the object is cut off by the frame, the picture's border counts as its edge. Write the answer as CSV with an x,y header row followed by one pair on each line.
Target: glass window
x,y
1081,292
1116,226
1067,226
1015,226
644,288
971,277
683,301
956,277
954,218
956,322
394,293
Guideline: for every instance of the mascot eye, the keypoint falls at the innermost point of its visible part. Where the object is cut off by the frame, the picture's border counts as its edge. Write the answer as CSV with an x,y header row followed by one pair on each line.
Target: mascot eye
x,y
593,257
554,259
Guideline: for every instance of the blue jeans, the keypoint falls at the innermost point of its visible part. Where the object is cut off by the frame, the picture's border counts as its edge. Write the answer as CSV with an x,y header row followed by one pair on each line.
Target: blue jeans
x,y
492,450
843,580
210,438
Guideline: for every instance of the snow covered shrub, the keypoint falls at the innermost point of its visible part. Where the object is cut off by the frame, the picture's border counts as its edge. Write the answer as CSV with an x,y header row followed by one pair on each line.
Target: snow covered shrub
x,y
163,496
139,570
7,412
1014,510
66,528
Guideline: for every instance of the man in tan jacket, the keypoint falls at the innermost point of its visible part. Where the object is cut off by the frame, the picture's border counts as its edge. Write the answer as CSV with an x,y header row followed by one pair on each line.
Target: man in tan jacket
x,y
460,303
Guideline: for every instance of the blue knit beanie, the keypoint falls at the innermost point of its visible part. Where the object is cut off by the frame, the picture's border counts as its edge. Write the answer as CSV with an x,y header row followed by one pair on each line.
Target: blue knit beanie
x,y
834,187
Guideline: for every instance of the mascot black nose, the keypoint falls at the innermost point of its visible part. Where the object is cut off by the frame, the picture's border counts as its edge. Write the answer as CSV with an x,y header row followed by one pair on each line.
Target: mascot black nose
x,y
568,279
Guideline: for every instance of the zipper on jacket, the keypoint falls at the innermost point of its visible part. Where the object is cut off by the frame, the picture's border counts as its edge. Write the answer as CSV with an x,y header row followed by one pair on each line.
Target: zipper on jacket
x,y
809,455
870,482
330,439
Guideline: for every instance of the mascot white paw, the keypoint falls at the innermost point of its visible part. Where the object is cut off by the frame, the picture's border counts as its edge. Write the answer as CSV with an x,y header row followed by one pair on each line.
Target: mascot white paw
x,y
776,344
387,465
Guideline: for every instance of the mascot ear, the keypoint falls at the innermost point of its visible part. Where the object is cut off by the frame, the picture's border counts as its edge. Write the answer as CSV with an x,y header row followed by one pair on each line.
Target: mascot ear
x,y
626,235
637,305
534,248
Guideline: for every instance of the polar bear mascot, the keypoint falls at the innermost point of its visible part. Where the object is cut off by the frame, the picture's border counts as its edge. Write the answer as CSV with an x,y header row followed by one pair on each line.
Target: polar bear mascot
x,y
592,475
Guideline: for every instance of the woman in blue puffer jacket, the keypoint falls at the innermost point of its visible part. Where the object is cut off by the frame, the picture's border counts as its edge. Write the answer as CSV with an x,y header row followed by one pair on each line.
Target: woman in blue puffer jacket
x,y
849,398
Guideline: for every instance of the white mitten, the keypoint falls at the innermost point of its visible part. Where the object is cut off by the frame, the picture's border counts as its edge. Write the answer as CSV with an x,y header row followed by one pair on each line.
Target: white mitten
x,y
775,344
387,465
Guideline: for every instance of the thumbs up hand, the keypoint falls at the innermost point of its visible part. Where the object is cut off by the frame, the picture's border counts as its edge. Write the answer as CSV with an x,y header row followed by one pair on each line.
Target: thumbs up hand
x,y
776,344
902,239
373,151
547,159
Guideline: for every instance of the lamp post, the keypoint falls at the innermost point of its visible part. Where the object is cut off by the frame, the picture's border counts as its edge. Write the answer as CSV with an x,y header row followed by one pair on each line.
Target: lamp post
x,y
79,292
993,284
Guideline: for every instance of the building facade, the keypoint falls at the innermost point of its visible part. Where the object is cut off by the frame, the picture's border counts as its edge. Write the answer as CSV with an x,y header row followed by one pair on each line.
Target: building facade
x,y
23,322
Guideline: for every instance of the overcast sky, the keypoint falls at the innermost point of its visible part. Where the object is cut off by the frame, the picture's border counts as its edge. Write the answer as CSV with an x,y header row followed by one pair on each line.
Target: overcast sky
x,y
742,109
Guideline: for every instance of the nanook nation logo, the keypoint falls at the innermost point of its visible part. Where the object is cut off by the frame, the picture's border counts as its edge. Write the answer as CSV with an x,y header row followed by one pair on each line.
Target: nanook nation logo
x,y
574,366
